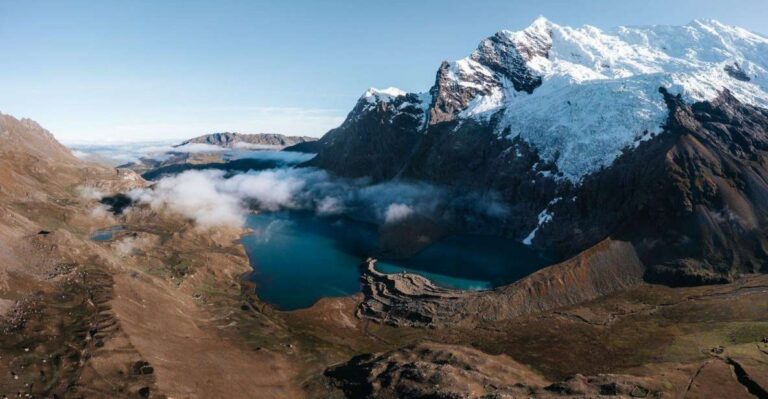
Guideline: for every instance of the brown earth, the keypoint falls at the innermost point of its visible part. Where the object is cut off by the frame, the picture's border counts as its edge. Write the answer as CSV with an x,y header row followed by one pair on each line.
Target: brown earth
x,y
113,319
163,310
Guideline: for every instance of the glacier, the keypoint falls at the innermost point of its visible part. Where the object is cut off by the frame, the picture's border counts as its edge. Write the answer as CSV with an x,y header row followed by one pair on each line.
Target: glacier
x,y
581,96
599,93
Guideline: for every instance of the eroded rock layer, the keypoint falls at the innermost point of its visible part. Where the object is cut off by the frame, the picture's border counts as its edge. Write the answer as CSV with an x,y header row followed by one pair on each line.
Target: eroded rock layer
x,y
411,300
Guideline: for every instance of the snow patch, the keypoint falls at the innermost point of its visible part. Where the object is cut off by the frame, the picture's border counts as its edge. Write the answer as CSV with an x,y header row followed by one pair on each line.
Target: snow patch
x,y
544,217
484,106
374,95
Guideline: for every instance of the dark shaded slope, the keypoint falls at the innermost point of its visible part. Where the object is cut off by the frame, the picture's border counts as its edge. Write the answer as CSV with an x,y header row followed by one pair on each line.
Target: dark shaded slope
x,y
305,147
694,200
375,140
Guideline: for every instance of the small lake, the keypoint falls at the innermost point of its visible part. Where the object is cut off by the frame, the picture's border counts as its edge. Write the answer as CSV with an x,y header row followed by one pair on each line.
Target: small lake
x,y
299,258
106,234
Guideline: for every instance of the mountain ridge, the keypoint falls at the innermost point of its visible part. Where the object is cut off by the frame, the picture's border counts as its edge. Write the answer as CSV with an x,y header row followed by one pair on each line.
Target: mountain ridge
x,y
489,124
247,140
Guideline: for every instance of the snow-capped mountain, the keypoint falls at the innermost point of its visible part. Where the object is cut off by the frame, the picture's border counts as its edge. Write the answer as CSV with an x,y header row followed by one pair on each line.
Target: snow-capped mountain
x,y
582,95
587,94
583,131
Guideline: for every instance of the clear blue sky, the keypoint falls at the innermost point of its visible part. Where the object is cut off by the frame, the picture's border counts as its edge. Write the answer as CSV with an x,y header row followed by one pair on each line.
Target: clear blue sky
x,y
137,70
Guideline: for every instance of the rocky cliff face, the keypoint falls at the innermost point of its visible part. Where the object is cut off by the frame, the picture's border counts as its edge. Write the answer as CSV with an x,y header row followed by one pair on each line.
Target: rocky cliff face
x,y
570,126
377,138
692,200
245,140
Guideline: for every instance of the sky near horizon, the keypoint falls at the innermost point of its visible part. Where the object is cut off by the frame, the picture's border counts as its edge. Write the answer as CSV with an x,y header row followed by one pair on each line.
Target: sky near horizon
x,y
156,70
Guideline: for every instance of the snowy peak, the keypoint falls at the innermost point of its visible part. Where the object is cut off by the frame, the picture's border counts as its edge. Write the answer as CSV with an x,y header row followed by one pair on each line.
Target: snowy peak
x,y
541,22
533,41
581,96
727,32
474,85
373,95
457,84
392,103
246,140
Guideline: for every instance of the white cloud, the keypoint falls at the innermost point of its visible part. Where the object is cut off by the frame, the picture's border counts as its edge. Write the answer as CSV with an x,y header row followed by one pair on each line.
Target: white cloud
x,y
116,154
397,212
211,199
330,206
195,195
126,246
121,153
242,145
197,148
287,157
102,213
90,193
270,189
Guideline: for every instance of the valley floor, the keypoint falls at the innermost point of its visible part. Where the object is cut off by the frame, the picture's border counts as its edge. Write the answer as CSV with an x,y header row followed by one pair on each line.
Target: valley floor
x,y
165,310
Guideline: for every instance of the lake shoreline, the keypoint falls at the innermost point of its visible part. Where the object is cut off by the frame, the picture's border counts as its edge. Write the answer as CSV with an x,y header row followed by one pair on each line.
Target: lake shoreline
x,y
299,258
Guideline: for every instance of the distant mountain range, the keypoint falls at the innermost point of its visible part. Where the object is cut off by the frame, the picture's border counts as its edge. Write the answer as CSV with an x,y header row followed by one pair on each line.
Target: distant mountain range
x,y
655,135
246,140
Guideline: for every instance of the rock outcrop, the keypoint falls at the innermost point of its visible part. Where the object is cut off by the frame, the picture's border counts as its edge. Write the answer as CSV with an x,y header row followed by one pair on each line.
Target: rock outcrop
x,y
412,300
439,371
431,370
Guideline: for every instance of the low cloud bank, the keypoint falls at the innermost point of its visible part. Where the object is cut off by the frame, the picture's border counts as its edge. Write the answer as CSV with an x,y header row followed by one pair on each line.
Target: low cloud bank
x,y
121,153
286,157
196,195
397,212
125,153
211,199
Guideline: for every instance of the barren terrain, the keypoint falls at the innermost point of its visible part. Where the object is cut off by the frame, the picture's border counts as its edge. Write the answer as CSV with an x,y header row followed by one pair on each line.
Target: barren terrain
x,y
164,310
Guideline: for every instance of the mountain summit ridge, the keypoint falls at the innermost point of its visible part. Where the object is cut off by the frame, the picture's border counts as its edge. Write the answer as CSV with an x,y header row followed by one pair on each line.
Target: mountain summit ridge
x,y
581,131
581,96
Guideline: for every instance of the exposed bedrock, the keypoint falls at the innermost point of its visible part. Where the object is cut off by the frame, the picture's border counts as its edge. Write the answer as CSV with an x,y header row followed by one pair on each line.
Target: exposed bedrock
x,y
439,371
412,300
585,145
375,140
431,370
693,200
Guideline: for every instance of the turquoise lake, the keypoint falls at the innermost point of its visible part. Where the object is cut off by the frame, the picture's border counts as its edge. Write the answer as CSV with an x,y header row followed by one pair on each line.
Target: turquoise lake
x,y
299,258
